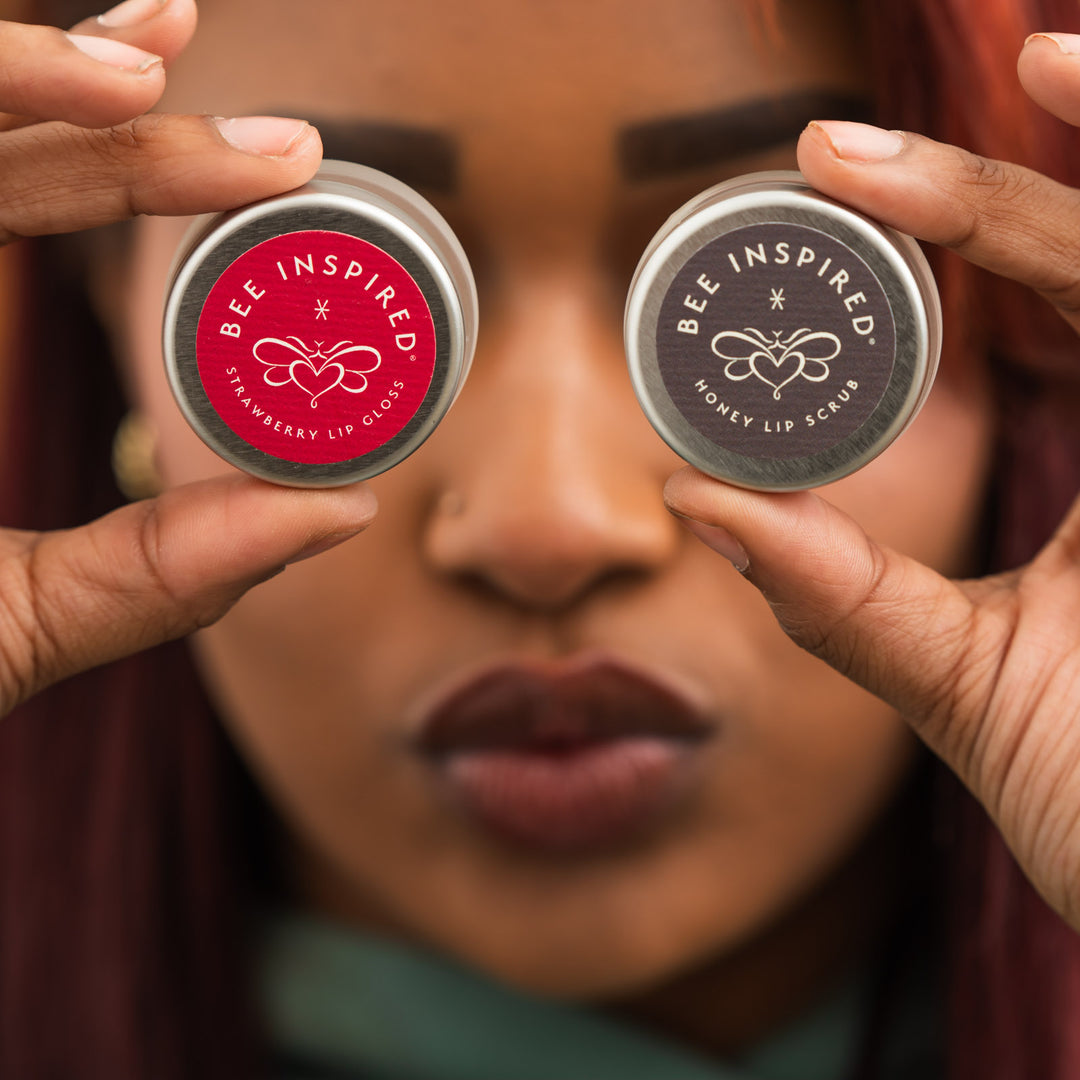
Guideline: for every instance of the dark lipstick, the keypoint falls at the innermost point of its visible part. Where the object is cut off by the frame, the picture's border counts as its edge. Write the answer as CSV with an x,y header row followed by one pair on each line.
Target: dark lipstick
x,y
564,758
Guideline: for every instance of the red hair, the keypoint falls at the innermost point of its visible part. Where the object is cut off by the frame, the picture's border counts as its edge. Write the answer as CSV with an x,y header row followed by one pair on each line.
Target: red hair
x,y
130,837
947,68
128,827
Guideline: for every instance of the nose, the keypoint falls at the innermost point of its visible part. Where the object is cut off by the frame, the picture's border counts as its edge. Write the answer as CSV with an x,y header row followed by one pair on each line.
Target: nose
x,y
551,476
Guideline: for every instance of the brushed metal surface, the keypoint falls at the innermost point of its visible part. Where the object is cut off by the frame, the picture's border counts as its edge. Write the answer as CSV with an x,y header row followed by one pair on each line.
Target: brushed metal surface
x,y
344,198
896,261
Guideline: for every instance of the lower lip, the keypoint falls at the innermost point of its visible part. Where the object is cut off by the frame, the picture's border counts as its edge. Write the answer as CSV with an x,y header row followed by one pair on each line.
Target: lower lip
x,y
575,800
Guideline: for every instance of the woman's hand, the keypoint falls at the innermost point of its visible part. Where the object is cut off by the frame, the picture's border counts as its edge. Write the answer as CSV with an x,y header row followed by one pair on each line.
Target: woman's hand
x,y
76,149
987,672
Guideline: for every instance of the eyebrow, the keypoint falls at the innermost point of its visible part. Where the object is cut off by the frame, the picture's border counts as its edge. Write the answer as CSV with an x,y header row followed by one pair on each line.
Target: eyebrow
x,y
675,144
420,157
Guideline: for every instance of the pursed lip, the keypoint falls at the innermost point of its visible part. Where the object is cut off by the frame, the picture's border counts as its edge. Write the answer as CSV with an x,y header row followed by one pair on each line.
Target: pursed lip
x,y
565,757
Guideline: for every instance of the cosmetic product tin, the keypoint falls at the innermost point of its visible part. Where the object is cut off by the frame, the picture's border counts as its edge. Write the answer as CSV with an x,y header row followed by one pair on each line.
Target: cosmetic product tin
x,y
317,338
777,339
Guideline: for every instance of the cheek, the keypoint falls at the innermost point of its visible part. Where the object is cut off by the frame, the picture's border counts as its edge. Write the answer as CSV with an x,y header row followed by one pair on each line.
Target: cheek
x,y
924,496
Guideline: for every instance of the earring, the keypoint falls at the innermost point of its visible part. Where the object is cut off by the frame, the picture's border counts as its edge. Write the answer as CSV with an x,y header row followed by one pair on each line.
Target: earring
x,y
133,450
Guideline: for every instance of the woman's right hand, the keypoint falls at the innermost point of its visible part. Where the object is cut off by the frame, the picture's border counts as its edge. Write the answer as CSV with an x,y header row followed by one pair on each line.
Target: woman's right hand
x,y
986,671
77,149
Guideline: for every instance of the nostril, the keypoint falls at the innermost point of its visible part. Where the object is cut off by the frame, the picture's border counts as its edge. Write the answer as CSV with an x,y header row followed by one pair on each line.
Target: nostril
x,y
545,555
546,594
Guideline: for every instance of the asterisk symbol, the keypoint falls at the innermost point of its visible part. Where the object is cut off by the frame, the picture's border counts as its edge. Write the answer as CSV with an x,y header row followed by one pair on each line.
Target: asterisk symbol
x,y
777,299
320,308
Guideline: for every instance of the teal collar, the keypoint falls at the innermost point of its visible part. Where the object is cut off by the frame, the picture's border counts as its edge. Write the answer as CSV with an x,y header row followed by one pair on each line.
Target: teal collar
x,y
390,1011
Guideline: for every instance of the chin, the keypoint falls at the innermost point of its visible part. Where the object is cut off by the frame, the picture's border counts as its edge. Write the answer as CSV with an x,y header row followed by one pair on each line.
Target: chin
x,y
607,934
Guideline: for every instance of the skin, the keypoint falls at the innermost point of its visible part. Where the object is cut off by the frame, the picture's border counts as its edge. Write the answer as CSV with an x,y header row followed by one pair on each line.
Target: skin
x,y
765,863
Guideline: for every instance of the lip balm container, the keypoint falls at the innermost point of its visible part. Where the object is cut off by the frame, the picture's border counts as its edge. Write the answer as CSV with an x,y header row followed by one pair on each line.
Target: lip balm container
x,y
777,339
318,337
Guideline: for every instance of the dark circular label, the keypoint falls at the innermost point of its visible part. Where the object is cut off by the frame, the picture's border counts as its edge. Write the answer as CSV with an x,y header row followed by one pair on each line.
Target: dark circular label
x,y
316,346
776,341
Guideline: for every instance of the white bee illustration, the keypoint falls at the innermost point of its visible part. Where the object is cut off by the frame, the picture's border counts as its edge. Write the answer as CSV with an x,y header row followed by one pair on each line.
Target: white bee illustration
x,y
805,353
316,372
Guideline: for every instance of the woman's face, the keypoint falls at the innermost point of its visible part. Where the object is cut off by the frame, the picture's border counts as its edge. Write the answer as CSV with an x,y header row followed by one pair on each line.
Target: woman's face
x,y
526,716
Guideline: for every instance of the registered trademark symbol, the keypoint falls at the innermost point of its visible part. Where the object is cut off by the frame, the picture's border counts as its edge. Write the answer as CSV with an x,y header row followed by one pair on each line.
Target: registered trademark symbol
x,y
873,342
412,357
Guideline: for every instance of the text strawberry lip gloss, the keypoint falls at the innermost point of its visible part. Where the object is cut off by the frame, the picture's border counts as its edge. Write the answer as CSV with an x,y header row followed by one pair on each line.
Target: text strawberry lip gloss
x,y
318,337
777,339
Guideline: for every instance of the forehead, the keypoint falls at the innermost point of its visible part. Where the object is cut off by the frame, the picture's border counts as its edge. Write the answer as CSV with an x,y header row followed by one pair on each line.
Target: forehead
x,y
523,63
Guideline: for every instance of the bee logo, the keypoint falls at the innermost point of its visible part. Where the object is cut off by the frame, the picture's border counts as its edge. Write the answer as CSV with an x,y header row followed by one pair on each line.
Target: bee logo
x,y
777,362
314,371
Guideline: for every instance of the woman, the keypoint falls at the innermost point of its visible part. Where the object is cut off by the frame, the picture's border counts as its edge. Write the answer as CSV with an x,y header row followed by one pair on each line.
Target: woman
x,y
396,697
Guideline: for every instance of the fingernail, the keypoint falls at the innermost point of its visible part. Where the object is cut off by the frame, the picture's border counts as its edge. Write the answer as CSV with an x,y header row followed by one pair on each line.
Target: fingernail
x,y
721,541
860,142
325,543
130,13
116,54
1067,43
268,136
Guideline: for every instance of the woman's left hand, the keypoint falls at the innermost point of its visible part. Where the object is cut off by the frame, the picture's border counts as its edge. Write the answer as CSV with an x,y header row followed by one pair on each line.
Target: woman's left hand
x,y
987,672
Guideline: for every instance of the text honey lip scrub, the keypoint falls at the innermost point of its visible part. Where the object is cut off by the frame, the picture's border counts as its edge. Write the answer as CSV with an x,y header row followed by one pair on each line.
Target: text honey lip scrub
x,y
777,339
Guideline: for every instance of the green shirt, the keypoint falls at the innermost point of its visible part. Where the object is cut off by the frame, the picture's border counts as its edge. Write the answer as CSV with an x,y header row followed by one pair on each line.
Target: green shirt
x,y
358,1005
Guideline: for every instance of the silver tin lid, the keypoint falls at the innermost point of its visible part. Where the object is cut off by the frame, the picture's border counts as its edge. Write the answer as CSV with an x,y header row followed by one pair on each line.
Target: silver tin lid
x,y
777,339
317,338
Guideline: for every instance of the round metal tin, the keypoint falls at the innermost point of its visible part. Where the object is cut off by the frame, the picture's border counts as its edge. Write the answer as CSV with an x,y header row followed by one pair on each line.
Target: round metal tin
x,y
777,339
318,337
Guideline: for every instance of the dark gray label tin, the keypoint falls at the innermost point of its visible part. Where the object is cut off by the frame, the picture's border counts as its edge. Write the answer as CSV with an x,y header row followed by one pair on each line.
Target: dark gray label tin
x,y
775,340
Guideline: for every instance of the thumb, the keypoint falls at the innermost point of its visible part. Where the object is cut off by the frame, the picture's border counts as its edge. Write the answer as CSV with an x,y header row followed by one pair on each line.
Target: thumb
x,y
153,571
887,622
985,671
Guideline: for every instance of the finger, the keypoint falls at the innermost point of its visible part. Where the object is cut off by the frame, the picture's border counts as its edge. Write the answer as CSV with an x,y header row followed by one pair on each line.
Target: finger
x,y
1049,69
886,621
1006,218
153,571
163,27
84,79
158,27
156,164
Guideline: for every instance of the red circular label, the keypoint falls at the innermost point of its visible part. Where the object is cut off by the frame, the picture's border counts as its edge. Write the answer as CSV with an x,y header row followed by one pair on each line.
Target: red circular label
x,y
316,346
